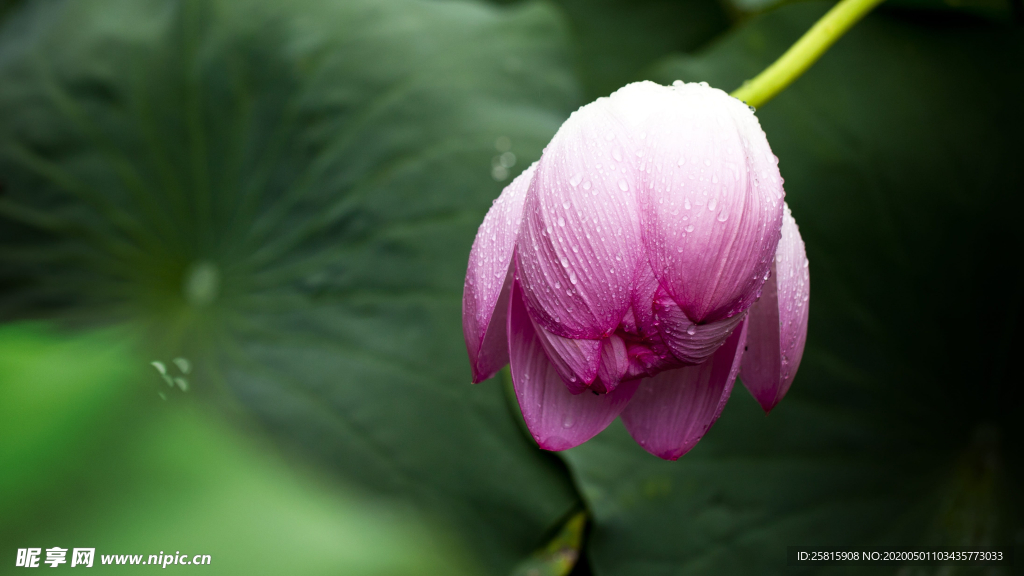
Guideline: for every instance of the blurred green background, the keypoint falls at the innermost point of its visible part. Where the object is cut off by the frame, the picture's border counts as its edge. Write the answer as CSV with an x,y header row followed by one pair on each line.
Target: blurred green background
x,y
273,201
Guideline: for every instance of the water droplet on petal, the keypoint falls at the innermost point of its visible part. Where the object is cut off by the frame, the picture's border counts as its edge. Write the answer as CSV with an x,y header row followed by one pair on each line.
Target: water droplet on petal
x,y
623,185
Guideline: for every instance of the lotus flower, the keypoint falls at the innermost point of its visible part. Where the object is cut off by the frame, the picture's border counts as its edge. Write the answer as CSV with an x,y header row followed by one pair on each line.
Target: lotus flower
x,y
637,268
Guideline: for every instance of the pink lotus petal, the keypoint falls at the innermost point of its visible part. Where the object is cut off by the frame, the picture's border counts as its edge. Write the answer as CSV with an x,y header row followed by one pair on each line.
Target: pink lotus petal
x,y
689,342
557,419
645,288
613,366
778,321
636,104
580,241
650,355
576,361
489,279
710,202
673,410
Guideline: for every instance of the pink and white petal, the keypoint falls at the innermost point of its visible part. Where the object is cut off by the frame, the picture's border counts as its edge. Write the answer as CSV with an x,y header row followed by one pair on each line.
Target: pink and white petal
x,y
489,278
645,288
672,411
492,353
613,366
778,321
576,361
691,343
580,239
556,418
638,103
710,202
650,355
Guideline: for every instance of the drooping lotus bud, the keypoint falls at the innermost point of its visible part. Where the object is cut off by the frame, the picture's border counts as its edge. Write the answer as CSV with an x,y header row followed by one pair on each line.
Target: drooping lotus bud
x,y
622,267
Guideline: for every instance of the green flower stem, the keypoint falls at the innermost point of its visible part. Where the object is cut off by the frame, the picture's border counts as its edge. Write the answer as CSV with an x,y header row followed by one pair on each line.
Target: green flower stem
x,y
804,53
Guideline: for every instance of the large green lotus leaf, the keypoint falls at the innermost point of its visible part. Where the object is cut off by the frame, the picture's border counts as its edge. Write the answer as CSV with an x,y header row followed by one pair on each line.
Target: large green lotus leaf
x,y
93,458
285,193
901,151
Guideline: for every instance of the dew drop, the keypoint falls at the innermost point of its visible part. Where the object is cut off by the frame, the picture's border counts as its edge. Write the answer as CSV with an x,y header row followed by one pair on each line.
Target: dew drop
x,y
689,228
561,222
623,185
575,180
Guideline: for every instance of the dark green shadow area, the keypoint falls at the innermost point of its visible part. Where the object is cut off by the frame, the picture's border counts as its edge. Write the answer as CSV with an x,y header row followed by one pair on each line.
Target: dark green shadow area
x,y
614,39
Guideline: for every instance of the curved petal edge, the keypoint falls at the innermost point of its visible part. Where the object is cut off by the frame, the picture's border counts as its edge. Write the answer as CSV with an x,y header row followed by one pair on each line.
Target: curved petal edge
x,y
673,410
557,418
778,321
489,278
